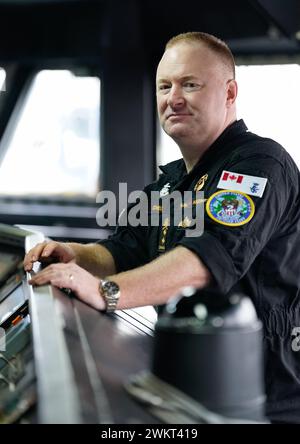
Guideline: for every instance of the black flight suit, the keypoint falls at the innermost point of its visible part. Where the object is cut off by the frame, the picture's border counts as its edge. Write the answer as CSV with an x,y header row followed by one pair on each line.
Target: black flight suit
x,y
260,257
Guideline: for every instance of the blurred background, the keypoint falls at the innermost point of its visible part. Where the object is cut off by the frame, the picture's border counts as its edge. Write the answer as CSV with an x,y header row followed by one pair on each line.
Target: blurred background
x,y
77,96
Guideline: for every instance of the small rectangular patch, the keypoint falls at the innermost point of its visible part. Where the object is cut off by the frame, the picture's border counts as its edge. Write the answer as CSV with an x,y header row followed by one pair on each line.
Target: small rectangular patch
x,y
252,185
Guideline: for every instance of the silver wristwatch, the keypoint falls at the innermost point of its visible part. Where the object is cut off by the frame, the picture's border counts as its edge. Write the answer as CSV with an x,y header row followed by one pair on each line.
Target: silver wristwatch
x,y
110,291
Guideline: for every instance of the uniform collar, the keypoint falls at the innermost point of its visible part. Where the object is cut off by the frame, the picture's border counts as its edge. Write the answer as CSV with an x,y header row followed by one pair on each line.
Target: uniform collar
x,y
177,167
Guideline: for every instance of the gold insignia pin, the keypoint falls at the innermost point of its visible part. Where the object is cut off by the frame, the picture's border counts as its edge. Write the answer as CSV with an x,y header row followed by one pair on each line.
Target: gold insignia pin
x,y
185,223
163,235
157,208
200,184
199,201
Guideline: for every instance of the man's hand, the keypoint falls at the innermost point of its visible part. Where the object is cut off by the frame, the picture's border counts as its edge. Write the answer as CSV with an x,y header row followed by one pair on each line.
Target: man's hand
x,y
70,275
47,252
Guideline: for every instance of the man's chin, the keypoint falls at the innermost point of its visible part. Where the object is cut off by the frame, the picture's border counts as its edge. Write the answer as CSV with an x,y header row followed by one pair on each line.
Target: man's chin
x,y
176,131
177,134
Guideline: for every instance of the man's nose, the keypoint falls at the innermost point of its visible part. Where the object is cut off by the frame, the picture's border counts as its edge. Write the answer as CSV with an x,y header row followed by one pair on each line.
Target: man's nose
x,y
175,97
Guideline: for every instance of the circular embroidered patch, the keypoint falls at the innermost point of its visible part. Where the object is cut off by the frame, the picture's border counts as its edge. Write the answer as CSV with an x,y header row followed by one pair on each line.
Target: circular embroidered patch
x,y
229,207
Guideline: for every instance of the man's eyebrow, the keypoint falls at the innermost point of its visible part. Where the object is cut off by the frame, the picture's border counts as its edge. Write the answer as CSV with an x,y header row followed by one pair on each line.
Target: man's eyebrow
x,y
190,77
162,80
183,79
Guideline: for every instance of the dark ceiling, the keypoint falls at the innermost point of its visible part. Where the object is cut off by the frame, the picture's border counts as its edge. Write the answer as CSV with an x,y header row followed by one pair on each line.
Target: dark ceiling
x,y
88,28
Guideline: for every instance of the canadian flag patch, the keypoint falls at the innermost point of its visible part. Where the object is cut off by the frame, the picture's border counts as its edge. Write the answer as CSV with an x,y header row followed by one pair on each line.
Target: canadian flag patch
x,y
252,185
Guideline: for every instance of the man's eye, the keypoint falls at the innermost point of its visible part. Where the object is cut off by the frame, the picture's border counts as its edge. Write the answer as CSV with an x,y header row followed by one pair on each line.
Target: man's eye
x,y
191,85
163,88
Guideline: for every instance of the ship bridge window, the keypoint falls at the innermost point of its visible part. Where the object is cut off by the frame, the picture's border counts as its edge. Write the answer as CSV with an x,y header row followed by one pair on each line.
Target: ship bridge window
x,y
268,101
54,148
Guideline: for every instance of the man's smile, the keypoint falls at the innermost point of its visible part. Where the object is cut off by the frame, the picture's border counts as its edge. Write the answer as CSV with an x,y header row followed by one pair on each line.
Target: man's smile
x,y
178,116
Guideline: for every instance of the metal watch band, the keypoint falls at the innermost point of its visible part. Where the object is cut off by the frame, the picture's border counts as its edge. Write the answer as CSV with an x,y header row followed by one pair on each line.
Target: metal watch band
x,y
110,292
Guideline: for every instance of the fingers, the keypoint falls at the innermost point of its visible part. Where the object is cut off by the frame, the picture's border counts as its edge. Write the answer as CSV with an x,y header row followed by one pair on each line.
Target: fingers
x,y
60,275
48,252
72,277
40,252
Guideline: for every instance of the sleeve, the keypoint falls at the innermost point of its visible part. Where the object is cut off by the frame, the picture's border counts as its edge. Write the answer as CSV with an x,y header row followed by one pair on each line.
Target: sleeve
x,y
127,247
229,250
128,244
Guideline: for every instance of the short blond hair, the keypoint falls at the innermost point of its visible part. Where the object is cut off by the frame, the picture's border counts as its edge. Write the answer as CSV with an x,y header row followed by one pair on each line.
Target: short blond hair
x,y
216,45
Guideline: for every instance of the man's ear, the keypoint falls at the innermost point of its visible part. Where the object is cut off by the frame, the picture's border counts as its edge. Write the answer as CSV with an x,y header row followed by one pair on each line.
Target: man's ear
x,y
232,90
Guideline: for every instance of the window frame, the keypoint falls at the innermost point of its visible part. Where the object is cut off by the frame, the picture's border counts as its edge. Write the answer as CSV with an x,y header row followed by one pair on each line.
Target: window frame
x,y
44,210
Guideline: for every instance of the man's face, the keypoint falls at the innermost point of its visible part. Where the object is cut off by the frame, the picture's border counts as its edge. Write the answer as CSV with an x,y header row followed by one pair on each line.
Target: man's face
x,y
192,94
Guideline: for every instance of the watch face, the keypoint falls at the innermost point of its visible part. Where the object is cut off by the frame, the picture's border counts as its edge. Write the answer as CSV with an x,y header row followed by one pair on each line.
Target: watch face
x,y
111,287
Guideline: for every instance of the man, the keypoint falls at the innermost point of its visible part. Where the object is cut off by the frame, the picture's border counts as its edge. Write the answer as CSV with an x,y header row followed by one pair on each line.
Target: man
x,y
252,218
